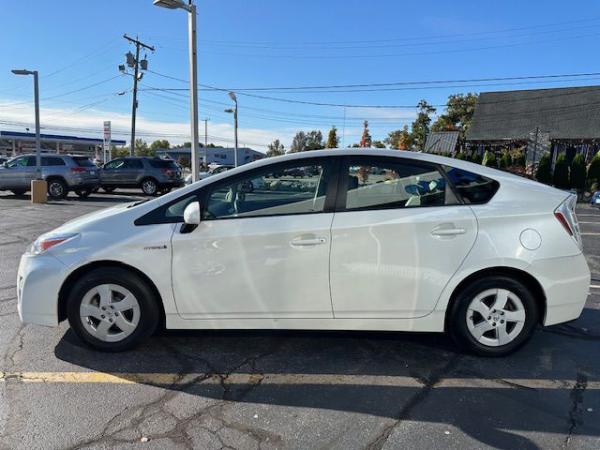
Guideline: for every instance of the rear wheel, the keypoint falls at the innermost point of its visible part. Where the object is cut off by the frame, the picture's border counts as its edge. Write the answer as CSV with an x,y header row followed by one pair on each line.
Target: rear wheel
x,y
493,316
57,188
112,309
149,186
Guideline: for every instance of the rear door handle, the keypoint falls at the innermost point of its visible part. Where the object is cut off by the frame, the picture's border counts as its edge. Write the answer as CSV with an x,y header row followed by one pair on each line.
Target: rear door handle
x,y
307,242
447,231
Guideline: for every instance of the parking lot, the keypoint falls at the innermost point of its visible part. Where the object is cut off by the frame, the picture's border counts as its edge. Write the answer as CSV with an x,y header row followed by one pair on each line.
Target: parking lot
x,y
288,389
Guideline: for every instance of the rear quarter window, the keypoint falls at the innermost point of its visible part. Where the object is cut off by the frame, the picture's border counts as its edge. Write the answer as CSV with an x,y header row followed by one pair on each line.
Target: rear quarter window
x,y
162,164
83,162
473,188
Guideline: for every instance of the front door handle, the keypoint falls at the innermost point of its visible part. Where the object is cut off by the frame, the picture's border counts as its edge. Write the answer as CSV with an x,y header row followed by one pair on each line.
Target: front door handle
x,y
445,230
307,242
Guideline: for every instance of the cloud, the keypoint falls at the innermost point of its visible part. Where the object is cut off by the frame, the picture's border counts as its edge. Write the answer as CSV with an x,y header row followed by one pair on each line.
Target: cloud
x,y
15,115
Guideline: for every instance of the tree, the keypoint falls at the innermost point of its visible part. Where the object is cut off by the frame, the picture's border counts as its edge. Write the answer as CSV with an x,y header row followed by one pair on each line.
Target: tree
x,y
400,139
577,178
561,172
505,160
366,140
332,139
476,158
593,174
544,170
299,142
489,159
119,152
458,115
160,144
420,127
275,148
314,140
378,144
142,149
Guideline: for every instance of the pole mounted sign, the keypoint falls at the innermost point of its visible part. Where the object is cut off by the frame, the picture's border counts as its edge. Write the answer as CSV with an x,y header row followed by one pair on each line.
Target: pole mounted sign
x,y
107,143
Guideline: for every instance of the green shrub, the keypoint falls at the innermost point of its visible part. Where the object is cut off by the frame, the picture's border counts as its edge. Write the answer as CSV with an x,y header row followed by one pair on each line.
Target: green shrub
x,y
593,174
561,173
578,175
544,170
476,158
519,159
505,161
489,159
461,156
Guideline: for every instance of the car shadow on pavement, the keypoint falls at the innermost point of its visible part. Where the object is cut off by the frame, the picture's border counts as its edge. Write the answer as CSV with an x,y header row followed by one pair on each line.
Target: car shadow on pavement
x,y
543,388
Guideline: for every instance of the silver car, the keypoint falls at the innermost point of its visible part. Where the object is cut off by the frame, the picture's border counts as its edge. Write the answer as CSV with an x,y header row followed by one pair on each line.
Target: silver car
x,y
63,173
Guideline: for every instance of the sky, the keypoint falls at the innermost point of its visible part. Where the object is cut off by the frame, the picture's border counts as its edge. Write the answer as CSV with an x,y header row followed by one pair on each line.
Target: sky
x,y
248,46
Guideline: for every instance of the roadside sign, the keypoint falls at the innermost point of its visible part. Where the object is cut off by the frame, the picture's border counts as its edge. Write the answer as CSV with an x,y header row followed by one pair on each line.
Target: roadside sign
x,y
107,138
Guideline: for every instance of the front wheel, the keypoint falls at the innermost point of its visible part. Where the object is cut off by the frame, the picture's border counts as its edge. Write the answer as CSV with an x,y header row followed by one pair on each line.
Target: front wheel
x,y
493,316
112,309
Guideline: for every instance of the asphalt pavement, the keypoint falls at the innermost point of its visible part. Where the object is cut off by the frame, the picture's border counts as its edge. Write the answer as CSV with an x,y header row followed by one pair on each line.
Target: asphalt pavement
x,y
301,390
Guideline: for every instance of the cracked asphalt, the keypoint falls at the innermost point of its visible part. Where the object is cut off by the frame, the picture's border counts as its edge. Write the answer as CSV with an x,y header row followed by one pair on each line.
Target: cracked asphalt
x,y
261,390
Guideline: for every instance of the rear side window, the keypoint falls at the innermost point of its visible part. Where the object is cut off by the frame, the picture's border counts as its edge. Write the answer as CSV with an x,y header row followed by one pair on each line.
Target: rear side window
x,y
473,188
83,161
52,161
162,164
376,183
133,164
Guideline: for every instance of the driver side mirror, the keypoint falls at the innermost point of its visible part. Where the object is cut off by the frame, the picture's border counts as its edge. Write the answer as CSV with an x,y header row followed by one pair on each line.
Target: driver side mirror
x,y
191,214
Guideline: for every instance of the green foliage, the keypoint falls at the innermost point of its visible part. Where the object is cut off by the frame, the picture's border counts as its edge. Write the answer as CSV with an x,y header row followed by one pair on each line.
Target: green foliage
x,y
519,159
160,144
489,159
593,174
458,115
476,158
332,138
578,173
544,170
561,173
119,152
378,144
461,156
505,161
400,139
142,149
275,148
420,127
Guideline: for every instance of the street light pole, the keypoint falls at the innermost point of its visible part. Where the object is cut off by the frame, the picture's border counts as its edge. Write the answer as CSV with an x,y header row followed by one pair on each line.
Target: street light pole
x,y
235,126
191,9
36,96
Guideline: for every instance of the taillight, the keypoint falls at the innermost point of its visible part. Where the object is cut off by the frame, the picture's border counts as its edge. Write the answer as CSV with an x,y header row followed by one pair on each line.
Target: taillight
x,y
167,172
563,221
78,169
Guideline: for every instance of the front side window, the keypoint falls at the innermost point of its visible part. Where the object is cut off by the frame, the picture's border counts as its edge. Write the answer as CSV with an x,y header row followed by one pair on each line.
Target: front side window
x,y
18,162
288,189
374,183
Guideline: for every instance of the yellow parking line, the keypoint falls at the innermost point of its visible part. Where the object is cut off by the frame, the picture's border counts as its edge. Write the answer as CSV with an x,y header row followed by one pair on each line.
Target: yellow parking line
x,y
166,379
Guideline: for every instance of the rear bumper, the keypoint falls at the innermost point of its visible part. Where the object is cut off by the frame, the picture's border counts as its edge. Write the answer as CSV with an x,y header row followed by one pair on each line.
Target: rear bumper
x,y
566,284
39,280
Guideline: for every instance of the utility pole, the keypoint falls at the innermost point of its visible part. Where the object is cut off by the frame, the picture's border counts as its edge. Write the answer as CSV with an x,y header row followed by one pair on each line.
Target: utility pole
x,y
134,61
206,139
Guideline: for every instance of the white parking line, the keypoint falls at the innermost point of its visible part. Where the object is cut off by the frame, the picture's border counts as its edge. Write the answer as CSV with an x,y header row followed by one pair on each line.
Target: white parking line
x,y
590,234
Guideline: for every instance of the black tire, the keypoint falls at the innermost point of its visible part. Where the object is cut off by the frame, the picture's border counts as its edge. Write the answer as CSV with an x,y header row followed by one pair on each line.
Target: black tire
x,y
18,191
57,188
83,193
149,186
148,304
166,190
108,189
457,322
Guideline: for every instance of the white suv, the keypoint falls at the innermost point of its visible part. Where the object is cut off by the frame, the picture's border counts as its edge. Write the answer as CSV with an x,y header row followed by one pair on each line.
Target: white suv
x,y
364,240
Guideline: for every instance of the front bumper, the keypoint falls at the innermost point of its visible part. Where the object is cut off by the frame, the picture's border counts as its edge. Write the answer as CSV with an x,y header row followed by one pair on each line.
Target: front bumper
x,y
39,280
566,284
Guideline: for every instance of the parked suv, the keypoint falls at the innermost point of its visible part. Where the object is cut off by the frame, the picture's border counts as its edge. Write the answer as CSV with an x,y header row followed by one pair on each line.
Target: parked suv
x,y
151,175
63,173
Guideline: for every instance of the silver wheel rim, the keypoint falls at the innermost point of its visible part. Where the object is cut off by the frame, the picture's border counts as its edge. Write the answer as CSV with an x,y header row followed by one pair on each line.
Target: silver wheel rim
x,y
109,312
149,187
496,317
56,189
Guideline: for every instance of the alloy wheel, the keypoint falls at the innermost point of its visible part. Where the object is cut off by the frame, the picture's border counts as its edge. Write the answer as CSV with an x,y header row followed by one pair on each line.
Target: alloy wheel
x,y
109,312
149,187
56,189
495,317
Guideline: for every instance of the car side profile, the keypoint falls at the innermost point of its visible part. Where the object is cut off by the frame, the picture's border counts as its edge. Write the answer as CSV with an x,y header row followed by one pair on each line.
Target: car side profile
x,y
64,173
151,175
365,239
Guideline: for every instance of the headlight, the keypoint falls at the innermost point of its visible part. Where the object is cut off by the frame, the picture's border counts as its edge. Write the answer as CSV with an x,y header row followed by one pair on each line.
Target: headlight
x,y
44,242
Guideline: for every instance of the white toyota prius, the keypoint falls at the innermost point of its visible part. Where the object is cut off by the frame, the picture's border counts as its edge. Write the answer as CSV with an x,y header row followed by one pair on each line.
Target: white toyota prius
x,y
345,239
